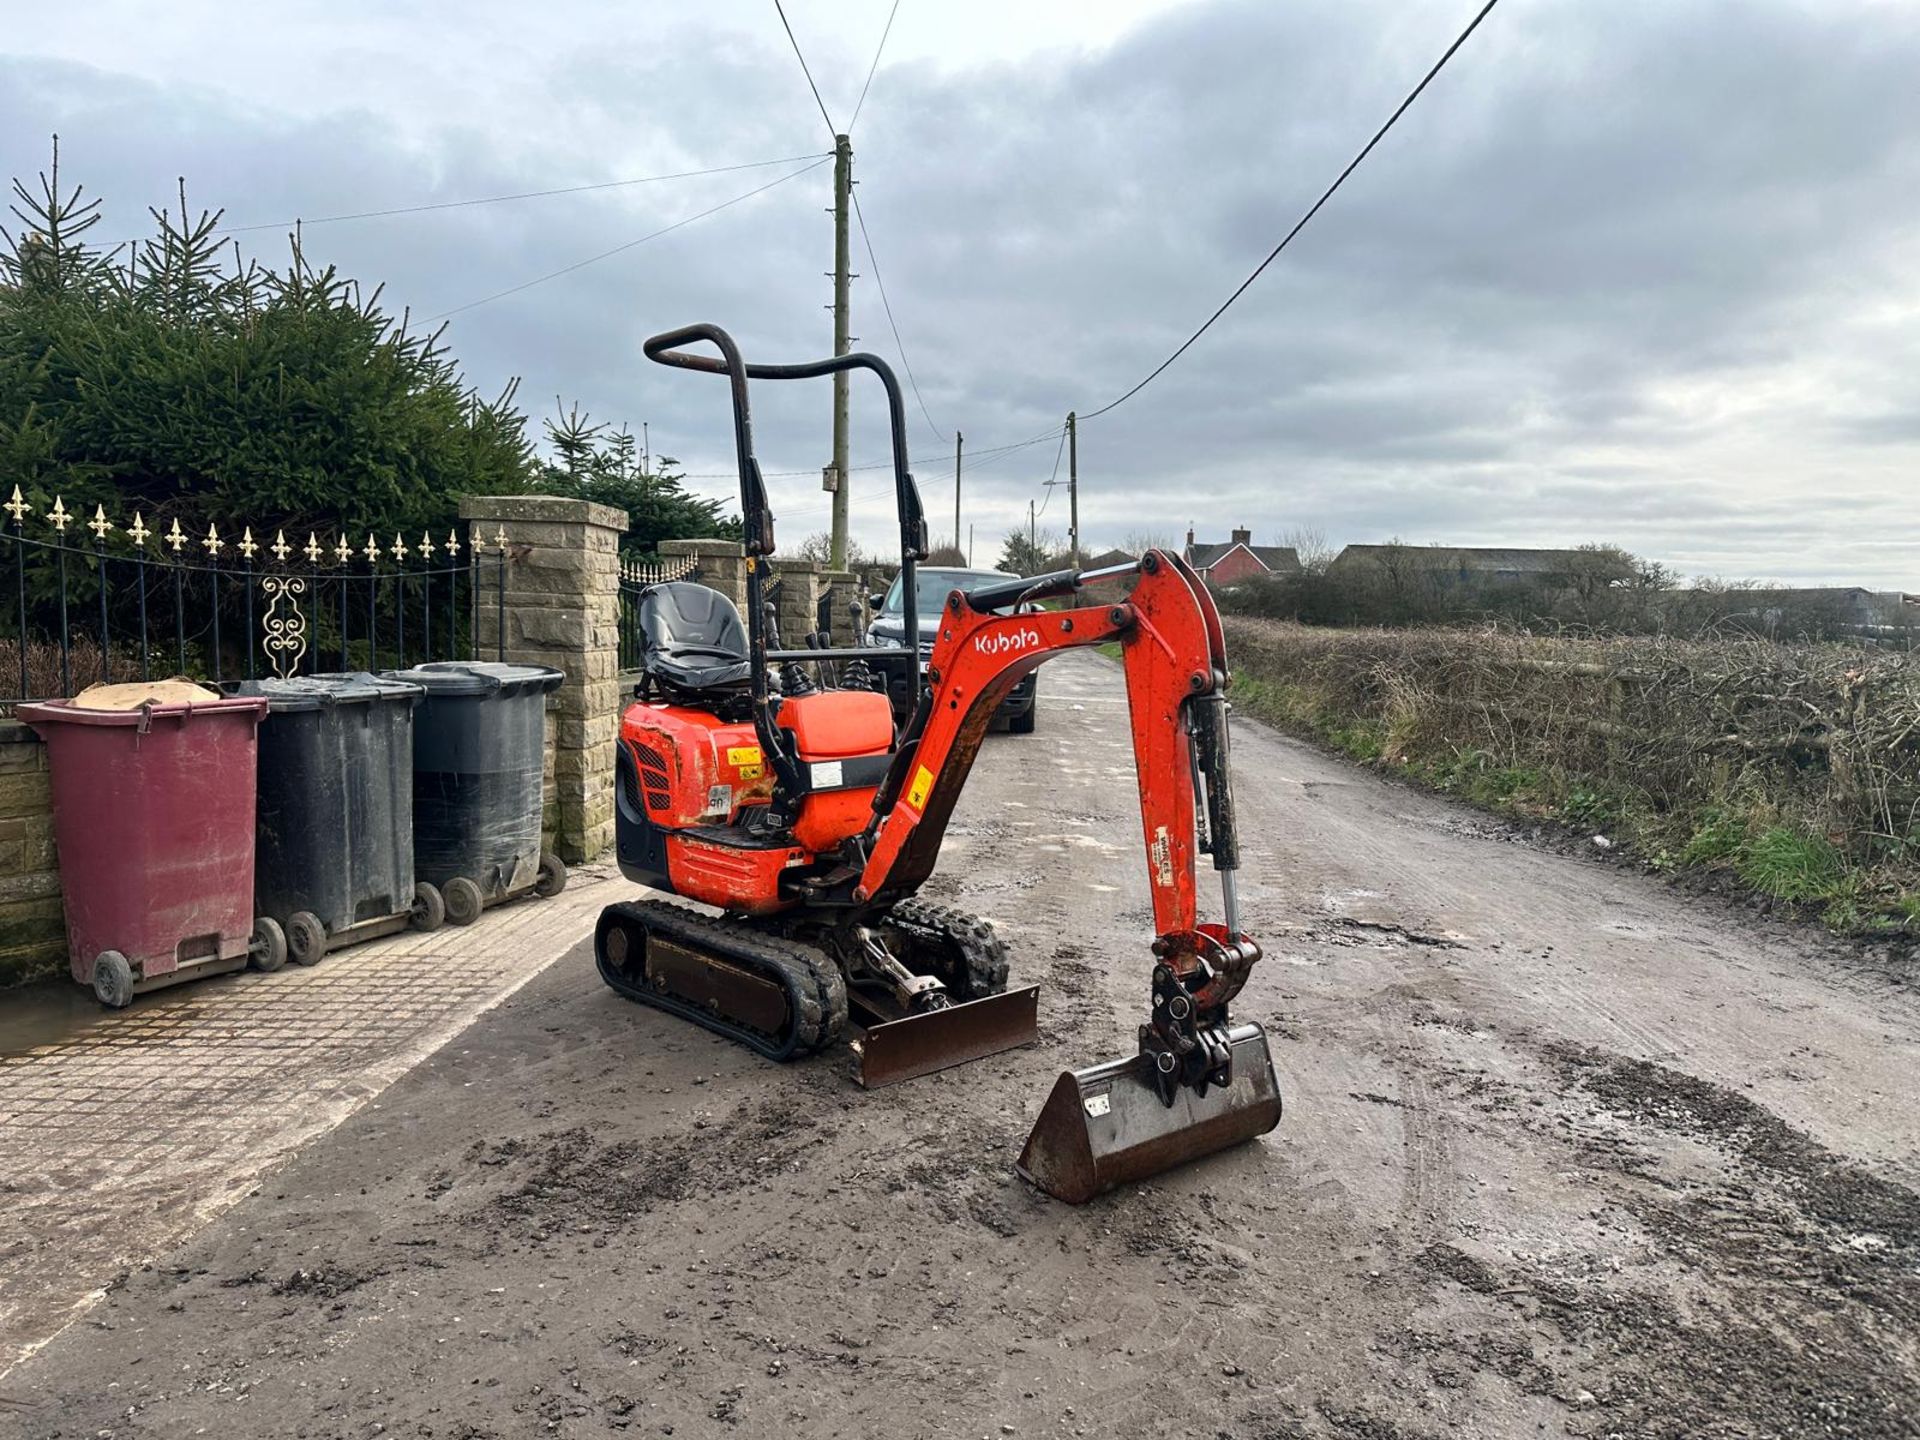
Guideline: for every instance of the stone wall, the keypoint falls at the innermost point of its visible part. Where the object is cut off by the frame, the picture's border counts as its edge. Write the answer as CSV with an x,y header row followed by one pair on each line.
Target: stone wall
x,y
33,929
802,583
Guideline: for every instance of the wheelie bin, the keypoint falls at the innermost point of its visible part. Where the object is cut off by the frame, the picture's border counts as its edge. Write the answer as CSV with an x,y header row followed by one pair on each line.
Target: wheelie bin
x,y
478,761
335,861
153,795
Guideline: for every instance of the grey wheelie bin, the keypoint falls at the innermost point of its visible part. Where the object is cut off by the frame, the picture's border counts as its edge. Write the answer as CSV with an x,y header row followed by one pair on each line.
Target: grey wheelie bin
x,y
334,860
478,773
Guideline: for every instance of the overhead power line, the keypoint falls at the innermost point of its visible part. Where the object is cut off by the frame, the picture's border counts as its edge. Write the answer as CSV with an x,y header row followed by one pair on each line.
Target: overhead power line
x,y
621,249
1301,224
804,70
974,460
522,195
878,50
427,206
873,263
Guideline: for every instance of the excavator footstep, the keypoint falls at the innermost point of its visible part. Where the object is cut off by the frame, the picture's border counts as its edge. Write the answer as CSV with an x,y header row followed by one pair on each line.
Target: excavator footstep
x,y
897,1050
1106,1125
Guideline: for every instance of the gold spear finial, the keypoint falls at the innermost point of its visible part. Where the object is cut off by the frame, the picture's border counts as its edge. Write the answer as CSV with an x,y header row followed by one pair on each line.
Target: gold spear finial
x,y
426,545
138,531
18,507
372,551
213,542
342,550
280,547
500,539
247,547
312,549
100,525
58,515
453,542
176,537
399,548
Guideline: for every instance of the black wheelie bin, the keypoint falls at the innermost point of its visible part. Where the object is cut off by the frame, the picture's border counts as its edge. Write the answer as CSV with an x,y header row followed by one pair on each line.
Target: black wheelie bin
x,y
478,774
334,862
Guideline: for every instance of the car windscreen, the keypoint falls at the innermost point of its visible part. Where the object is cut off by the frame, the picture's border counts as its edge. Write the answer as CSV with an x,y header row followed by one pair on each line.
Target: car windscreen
x,y
931,588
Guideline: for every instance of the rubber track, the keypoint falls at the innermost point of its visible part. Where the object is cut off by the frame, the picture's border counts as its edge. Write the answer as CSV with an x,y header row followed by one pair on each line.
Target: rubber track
x,y
816,993
984,952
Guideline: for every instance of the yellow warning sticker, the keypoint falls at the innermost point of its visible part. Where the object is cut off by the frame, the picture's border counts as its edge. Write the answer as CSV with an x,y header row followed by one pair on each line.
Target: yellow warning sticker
x,y
922,787
751,772
743,755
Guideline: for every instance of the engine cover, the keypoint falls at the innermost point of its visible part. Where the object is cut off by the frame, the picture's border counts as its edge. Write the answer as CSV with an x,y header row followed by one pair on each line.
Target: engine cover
x,y
684,768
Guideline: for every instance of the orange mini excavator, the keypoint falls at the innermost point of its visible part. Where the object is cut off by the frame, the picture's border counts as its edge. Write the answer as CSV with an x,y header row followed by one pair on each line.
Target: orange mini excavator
x,y
770,785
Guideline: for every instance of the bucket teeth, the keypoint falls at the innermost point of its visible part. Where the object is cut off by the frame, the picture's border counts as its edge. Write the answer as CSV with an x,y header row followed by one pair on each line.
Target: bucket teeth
x,y
897,1050
1107,1125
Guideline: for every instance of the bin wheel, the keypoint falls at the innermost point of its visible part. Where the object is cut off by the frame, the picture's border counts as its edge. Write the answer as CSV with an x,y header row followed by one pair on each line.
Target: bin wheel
x,y
113,979
464,902
429,909
553,876
267,950
306,938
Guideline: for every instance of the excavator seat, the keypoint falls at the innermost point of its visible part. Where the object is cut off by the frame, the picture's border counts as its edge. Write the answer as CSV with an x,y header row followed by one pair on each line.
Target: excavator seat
x,y
692,637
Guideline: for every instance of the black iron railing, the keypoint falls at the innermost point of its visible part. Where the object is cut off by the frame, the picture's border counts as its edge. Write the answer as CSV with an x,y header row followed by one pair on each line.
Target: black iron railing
x,y
636,575
133,603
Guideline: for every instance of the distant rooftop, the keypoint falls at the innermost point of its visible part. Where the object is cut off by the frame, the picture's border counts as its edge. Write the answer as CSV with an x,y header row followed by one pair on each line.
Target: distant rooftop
x,y
1274,557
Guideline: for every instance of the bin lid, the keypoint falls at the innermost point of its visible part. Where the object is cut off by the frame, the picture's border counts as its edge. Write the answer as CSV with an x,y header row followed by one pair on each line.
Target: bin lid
x,y
477,677
42,713
313,692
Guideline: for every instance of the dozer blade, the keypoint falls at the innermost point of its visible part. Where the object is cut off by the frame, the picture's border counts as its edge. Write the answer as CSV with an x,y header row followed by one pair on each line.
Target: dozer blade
x,y
897,1050
1106,1125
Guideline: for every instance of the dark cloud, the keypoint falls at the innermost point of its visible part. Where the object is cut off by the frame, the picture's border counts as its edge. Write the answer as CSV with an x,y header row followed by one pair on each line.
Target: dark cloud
x,y
1640,274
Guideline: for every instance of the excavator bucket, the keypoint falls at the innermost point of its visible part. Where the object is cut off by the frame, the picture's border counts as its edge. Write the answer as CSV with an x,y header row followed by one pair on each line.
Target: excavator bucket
x,y
896,1050
1107,1125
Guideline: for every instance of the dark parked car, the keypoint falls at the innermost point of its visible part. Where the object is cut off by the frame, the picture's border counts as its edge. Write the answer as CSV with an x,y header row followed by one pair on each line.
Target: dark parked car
x,y
934,584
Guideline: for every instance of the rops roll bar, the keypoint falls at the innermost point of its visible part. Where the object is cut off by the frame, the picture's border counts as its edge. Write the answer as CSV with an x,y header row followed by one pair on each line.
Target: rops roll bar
x,y
757,516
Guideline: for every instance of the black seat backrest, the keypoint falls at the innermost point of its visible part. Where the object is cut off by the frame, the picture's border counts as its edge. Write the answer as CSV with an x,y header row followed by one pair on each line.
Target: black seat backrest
x,y
693,635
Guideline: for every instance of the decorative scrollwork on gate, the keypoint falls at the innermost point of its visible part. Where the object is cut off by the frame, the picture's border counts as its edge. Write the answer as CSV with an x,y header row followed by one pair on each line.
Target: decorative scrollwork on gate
x,y
285,632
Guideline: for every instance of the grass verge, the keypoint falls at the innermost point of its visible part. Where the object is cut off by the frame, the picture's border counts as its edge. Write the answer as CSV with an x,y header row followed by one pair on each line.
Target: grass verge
x,y
1731,827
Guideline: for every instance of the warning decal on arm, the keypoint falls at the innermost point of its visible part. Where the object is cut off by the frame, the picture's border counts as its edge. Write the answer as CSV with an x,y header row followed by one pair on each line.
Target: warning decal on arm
x,y
922,787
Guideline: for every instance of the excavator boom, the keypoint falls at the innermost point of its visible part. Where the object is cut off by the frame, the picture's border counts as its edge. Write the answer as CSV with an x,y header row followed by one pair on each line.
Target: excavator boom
x,y
1198,1082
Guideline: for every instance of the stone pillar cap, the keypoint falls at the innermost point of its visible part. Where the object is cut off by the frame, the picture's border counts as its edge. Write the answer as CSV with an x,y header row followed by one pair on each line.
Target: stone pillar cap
x,y
542,509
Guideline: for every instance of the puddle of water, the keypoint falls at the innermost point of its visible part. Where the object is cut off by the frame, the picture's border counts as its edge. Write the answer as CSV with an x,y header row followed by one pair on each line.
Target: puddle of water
x,y
44,1013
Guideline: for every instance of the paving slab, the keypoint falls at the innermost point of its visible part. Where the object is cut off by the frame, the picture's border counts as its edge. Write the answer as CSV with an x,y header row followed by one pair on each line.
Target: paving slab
x,y
128,1133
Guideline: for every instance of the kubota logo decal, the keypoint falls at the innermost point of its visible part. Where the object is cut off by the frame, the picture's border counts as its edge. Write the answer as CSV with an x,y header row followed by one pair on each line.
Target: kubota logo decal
x,y
1000,642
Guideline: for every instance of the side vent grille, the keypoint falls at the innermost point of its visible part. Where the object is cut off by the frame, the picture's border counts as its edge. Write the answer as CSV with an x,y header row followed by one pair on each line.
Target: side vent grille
x,y
653,774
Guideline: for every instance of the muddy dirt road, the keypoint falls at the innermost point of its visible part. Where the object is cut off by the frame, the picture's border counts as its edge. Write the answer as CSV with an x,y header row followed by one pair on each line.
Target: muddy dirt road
x,y
1565,1153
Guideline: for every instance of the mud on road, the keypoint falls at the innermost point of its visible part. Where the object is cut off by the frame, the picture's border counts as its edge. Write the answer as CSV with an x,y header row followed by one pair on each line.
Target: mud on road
x,y
1565,1154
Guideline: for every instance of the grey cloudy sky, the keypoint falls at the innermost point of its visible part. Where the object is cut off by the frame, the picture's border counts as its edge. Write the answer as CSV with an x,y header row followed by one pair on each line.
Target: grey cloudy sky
x,y
1644,273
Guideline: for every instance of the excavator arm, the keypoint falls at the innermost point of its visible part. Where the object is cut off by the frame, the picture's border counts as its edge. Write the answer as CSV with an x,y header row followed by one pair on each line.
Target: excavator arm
x,y
1173,657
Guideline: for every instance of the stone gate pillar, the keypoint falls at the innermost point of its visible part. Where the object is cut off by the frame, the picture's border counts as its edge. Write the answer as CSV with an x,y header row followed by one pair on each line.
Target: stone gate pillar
x,y
561,607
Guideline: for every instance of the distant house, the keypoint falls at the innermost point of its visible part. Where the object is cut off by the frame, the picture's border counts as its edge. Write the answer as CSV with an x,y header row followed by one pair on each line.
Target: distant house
x,y
1467,564
1231,561
1107,559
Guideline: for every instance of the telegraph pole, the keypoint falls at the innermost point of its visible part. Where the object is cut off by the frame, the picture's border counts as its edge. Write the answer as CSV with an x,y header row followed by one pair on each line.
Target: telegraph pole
x,y
958,441
1073,490
842,195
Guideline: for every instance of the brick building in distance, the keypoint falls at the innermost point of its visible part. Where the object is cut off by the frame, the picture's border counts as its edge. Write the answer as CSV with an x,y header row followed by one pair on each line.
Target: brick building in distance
x,y
1231,561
